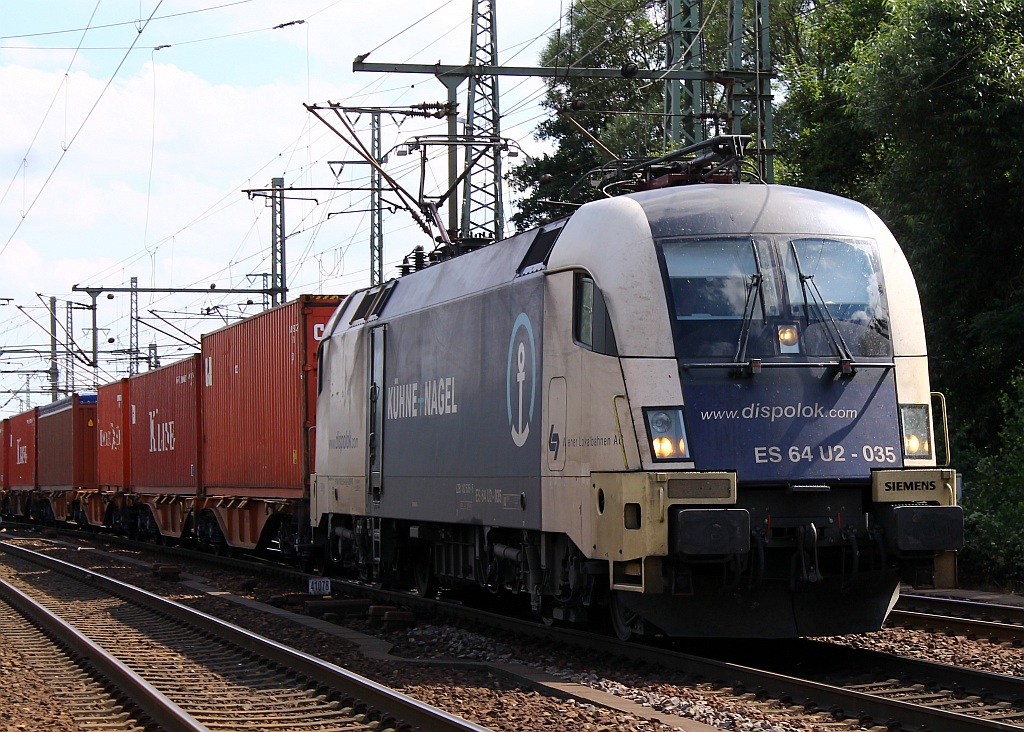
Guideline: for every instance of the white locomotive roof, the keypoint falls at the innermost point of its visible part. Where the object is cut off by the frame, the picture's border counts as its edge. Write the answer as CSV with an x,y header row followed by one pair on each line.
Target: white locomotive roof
x,y
747,208
613,240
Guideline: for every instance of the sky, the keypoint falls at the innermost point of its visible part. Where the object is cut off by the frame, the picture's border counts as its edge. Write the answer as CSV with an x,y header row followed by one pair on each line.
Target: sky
x,y
129,130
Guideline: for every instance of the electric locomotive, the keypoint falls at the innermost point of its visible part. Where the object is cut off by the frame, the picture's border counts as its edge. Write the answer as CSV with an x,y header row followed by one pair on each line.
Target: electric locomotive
x,y
703,407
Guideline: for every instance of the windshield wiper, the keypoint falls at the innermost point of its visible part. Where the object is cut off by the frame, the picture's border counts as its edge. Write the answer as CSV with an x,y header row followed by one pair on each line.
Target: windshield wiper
x,y
756,284
823,315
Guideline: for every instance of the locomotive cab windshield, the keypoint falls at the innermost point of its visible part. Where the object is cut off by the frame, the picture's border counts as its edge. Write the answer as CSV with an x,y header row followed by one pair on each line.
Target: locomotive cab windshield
x,y
782,297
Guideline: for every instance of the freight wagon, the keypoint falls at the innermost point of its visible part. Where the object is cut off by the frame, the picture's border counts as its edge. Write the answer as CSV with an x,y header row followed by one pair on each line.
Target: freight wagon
x,y
258,395
51,456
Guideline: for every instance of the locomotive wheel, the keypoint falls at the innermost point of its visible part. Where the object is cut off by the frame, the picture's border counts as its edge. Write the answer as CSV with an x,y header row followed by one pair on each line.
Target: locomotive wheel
x,y
547,612
626,623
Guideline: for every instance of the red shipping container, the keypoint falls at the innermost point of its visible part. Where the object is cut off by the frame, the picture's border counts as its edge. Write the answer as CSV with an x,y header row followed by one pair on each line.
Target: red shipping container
x,y
66,443
259,400
3,454
4,431
21,451
113,464
163,432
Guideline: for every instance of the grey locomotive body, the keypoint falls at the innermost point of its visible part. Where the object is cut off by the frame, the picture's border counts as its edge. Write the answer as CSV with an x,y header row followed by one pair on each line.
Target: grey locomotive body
x,y
705,407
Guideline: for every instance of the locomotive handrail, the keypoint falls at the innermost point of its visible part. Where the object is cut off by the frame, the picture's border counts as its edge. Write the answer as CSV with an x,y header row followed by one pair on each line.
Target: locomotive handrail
x,y
945,426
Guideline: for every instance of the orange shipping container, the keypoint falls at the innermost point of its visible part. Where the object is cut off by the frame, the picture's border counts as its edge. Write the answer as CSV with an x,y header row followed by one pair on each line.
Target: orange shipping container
x,y
163,429
259,408
113,464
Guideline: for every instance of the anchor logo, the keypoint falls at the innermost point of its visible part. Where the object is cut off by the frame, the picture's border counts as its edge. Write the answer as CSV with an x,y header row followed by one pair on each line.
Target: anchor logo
x,y
517,347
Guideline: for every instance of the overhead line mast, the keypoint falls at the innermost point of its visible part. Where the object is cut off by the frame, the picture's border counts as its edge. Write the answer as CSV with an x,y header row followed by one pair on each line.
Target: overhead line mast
x,y
748,98
482,209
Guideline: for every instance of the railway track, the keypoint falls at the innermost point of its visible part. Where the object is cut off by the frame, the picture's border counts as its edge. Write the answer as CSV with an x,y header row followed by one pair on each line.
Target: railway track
x,y
972,619
871,688
868,687
88,698
189,671
849,684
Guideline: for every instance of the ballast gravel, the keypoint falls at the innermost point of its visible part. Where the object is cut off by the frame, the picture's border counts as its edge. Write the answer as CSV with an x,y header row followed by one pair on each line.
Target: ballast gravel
x,y
486,697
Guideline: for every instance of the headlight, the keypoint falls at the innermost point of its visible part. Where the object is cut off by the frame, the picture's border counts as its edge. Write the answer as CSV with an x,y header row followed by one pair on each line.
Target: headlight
x,y
916,426
662,447
789,339
666,430
660,422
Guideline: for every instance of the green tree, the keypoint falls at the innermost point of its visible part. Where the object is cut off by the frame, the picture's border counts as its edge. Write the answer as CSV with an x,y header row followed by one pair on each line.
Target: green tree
x,y
621,113
821,142
940,88
994,503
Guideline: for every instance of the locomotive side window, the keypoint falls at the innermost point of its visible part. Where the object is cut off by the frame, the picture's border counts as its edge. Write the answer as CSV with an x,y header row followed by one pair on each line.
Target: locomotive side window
x,y
592,328
320,368
585,312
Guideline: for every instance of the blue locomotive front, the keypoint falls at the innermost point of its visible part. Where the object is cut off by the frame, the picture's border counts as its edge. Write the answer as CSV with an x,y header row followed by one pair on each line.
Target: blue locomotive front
x,y
802,367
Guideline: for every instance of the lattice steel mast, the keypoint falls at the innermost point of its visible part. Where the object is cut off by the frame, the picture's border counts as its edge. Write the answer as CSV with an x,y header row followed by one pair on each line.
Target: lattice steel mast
x,y
751,98
684,99
482,210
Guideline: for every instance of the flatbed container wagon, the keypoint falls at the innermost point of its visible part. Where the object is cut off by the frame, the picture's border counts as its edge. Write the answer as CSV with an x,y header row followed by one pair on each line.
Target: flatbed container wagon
x,y
66,456
164,444
259,410
20,447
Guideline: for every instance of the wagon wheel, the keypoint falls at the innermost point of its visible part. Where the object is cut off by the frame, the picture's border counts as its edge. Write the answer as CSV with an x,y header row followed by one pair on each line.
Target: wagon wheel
x,y
627,623
423,574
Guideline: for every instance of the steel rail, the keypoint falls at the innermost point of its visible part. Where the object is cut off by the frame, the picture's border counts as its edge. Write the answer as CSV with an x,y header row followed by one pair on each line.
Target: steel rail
x,y
854,704
410,711
165,713
951,605
969,618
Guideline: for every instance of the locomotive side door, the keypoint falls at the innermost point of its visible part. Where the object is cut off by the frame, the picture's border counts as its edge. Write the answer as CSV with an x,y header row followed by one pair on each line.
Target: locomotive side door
x,y
376,424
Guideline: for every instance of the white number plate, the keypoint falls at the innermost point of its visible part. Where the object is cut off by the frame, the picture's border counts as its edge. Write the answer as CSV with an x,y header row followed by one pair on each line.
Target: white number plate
x,y
319,586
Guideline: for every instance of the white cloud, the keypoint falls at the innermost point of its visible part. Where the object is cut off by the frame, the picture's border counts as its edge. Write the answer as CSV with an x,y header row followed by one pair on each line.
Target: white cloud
x,y
151,186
